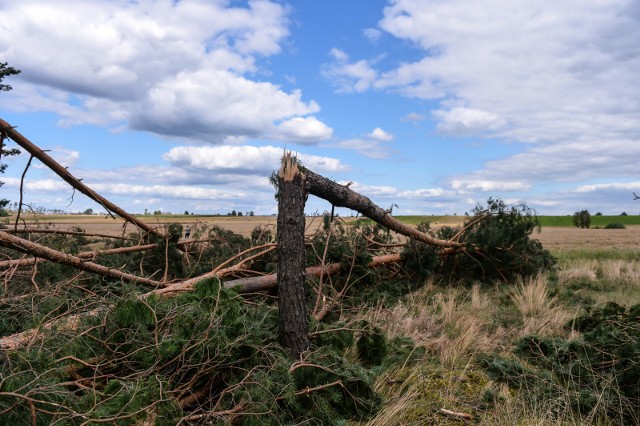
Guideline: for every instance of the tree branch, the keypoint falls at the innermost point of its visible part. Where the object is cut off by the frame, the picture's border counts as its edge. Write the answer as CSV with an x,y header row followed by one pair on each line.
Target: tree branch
x,y
69,178
342,196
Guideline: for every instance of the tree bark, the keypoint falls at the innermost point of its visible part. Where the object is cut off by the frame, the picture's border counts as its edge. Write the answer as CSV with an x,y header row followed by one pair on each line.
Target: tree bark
x,y
293,317
61,171
342,196
38,250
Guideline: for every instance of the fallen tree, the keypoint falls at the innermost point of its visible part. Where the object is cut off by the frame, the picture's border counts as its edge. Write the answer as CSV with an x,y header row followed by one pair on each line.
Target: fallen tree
x,y
10,131
341,196
40,251
242,286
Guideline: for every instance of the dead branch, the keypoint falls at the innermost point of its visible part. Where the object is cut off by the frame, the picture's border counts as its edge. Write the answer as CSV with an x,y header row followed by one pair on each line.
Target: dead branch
x,y
70,179
38,250
342,196
83,255
457,415
24,173
61,232
268,282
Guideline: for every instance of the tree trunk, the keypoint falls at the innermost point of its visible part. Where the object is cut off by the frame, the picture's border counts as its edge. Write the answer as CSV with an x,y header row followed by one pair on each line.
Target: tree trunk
x,y
70,179
293,320
38,250
342,196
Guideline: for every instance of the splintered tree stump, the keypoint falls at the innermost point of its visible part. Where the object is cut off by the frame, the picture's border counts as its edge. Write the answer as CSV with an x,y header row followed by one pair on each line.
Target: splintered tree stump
x,y
293,320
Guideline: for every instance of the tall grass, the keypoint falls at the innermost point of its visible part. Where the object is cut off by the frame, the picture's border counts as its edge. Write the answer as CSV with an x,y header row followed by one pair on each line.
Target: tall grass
x,y
455,324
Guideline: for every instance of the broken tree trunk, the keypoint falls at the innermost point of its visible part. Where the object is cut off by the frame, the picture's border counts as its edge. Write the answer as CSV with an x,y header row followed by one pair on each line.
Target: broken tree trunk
x,y
38,250
293,321
61,171
342,196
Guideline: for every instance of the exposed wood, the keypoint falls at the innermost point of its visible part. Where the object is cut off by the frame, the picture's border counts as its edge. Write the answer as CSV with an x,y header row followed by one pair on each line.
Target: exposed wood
x,y
269,282
82,255
38,250
76,183
457,415
342,196
60,232
69,323
293,321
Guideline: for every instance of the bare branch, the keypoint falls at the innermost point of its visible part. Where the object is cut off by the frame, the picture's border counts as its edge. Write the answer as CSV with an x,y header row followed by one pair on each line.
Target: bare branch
x,y
69,178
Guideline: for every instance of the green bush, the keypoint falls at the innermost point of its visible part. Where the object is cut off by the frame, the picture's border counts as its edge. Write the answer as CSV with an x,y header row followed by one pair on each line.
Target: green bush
x,y
594,376
615,225
582,219
497,247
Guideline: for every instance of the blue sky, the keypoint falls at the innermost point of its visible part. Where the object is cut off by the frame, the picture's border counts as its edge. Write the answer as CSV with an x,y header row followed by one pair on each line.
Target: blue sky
x,y
432,105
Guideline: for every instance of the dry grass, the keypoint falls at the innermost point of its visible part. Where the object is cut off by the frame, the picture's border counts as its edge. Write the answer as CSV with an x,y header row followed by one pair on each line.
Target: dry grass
x,y
448,323
541,313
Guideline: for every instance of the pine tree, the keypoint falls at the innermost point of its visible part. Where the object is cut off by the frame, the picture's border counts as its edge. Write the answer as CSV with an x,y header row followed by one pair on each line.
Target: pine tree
x,y
5,71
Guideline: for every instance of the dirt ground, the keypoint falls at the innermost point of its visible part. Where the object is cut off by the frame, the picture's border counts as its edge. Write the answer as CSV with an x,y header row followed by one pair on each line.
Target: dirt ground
x,y
560,237
551,237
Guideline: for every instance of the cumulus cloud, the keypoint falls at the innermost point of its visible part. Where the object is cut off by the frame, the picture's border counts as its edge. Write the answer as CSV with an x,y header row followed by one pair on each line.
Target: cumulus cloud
x,y
532,72
183,104
304,130
244,160
465,121
380,135
172,68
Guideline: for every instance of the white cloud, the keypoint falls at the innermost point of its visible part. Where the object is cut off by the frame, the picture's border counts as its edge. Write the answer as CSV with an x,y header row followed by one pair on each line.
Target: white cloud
x,y
489,186
181,105
36,185
540,73
372,34
413,116
628,187
173,68
245,160
380,135
372,145
304,130
349,76
463,121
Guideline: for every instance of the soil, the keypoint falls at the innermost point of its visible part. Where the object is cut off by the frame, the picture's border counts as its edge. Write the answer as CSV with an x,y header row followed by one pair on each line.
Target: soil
x,y
551,237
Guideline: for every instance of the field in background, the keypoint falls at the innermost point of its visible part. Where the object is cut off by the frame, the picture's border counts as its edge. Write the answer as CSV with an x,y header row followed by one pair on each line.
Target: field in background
x,y
555,234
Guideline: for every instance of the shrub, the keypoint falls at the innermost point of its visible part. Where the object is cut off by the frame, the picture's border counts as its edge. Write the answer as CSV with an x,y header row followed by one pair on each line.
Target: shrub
x,y
582,219
594,376
615,225
498,245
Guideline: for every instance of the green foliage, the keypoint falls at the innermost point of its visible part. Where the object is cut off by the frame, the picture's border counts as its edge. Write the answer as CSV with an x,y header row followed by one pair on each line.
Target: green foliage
x,y
165,256
420,258
372,347
146,356
5,71
595,375
497,243
582,219
615,225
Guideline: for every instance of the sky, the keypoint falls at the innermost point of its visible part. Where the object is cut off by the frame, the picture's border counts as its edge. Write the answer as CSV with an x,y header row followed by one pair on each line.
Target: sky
x,y
429,106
